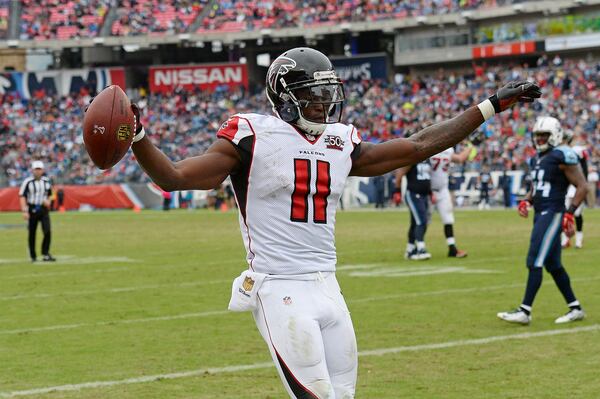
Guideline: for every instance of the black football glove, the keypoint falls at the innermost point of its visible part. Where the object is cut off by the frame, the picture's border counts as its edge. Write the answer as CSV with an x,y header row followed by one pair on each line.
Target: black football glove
x,y
513,92
136,113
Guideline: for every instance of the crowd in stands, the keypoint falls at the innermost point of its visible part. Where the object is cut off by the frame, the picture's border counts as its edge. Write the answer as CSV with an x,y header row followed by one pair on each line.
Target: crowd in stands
x,y
62,19
65,19
234,15
143,17
184,124
4,4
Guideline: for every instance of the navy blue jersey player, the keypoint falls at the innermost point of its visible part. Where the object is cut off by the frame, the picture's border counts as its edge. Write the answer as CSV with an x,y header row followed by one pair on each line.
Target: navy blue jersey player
x,y
555,167
416,197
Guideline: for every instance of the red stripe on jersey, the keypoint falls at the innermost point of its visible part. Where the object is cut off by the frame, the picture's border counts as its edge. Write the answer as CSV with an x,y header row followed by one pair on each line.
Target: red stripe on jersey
x,y
229,128
323,191
299,211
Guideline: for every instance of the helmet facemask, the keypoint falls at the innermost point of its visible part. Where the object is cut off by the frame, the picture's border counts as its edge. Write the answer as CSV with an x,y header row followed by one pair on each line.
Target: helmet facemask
x,y
550,128
318,103
305,91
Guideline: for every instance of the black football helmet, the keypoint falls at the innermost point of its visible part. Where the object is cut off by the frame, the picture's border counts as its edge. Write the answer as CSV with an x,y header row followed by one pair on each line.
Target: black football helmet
x,y
304,90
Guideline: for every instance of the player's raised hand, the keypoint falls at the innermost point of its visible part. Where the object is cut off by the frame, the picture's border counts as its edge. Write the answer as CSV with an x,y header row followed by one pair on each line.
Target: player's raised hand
x,y
568,224
523,208
136,114
514,92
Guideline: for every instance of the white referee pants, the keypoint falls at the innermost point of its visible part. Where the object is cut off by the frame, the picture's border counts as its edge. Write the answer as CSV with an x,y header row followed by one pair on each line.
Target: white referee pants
x,y
306,324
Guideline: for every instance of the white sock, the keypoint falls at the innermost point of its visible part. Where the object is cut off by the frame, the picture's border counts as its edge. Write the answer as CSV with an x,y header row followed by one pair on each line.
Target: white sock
x,y
579,237
420,245
410,247
450,241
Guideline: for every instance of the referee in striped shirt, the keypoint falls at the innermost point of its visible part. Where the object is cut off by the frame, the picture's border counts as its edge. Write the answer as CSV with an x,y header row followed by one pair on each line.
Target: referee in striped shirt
x,y
35,203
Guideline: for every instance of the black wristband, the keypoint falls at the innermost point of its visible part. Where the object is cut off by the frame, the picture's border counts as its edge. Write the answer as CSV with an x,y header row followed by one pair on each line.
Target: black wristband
x,y
496,103
572,209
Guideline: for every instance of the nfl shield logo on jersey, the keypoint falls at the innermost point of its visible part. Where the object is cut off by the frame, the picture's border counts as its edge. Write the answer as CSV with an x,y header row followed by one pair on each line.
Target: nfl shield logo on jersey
x,y
248,284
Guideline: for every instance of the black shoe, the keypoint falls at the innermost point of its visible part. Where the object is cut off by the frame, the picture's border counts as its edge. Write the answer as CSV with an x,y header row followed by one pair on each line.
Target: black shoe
x,y
457,253
49,258
33,260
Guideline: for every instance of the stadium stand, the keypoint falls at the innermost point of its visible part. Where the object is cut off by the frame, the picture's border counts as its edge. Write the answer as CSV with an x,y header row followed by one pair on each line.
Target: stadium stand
x,y
4,8
234,15
62,19
142,17
183,124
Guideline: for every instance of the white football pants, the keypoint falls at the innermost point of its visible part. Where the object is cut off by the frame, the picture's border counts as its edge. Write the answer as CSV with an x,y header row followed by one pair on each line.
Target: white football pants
x,y
306,324
443,203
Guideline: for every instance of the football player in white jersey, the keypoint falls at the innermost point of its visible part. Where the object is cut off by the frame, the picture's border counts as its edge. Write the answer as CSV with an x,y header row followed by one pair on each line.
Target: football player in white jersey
x,y
440,165
288,172
582,155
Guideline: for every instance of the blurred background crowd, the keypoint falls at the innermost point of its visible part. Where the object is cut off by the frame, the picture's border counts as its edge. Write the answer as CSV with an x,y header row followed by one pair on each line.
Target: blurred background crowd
x,y
184,124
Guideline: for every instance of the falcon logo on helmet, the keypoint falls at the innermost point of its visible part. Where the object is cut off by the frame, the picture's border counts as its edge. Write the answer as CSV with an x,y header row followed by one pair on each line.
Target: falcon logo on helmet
x,y
304,90
279,67
547,133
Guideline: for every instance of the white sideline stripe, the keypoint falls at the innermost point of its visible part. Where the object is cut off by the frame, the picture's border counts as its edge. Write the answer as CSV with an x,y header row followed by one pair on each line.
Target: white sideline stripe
x,y
113,290
242,367
223,312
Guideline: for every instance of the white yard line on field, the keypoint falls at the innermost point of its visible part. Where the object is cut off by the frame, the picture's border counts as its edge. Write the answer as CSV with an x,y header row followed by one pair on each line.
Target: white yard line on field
x,y
113,322
264,365
66,273
113,290
224,312
460,290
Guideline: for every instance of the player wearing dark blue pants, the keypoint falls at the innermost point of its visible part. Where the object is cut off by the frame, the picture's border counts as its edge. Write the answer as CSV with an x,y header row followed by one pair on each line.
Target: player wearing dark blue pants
x,y
552,170
418,190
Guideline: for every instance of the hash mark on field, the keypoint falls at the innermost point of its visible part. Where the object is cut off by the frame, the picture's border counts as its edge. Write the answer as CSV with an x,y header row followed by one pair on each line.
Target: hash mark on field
x,y
264,365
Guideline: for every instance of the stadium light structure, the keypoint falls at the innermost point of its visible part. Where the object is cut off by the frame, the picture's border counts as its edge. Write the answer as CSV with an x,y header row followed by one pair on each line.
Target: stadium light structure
x,y
131,48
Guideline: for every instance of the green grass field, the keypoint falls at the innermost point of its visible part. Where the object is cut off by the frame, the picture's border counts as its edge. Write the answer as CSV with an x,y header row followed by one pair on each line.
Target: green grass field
x,y
136,308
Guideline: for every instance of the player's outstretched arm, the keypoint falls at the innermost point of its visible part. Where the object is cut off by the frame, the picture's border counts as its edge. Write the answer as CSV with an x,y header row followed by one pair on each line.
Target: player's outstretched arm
x,y
203,172
377,159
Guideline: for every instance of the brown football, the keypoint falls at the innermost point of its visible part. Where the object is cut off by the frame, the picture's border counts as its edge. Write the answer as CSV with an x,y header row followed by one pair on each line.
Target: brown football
x,y
108,127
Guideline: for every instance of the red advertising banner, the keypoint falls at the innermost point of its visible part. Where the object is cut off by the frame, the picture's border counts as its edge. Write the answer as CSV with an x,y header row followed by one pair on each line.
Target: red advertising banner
x,y
109,196
165,79
501,50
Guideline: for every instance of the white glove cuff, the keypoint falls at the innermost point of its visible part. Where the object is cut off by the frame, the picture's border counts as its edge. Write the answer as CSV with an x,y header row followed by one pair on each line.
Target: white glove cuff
x,y
139,136
487,109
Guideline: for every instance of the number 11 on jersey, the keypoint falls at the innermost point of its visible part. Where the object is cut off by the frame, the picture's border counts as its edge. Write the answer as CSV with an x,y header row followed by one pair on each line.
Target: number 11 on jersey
x,y
302,190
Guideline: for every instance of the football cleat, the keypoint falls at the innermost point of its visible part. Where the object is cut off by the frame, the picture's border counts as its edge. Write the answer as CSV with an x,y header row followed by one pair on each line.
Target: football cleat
x,y
408,254
457,254
515,316
49,258
571,315
420,254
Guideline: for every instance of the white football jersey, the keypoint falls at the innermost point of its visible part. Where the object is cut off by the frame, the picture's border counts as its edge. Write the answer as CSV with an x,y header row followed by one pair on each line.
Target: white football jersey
x,y
440,165
287,191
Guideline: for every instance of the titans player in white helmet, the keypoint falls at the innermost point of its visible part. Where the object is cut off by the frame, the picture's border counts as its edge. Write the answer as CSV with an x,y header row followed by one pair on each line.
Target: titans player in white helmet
x,y
583,156
555,167
288,171
440,166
